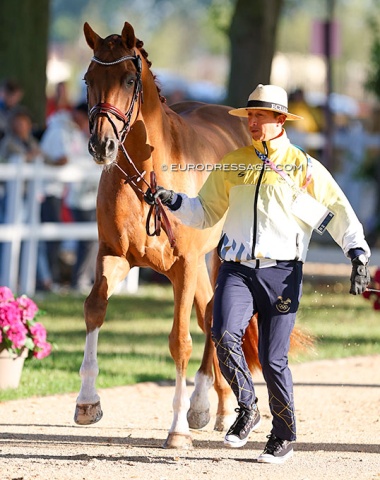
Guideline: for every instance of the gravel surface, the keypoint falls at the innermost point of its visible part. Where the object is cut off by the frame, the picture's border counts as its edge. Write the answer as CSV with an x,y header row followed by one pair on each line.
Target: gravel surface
x,y
337,407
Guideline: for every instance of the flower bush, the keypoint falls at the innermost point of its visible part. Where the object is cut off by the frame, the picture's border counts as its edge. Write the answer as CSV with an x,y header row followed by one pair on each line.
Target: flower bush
x,y
374,297
19,329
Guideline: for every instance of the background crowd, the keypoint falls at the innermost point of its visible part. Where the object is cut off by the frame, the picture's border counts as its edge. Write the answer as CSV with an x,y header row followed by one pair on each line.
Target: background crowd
x,y
63,140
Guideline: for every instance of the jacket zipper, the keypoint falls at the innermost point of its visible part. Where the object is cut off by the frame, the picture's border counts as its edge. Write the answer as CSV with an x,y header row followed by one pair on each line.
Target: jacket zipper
x,y
254,235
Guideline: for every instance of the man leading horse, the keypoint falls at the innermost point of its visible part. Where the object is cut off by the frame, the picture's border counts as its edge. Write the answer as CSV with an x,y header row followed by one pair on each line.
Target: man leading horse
x,y
275,195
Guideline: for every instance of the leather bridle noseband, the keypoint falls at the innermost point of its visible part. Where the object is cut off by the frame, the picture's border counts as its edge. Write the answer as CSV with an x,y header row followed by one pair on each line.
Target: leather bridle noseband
x,y
106,109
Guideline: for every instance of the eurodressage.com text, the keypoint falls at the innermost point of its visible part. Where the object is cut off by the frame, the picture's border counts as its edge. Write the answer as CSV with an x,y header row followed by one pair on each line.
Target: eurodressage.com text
x,y
226,167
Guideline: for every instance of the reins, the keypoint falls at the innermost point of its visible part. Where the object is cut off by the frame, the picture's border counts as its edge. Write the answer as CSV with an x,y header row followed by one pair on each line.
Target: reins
x,y
157,209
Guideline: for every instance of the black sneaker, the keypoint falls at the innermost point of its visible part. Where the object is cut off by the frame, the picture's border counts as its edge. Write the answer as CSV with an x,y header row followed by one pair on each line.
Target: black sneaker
x,y
276,450
246,421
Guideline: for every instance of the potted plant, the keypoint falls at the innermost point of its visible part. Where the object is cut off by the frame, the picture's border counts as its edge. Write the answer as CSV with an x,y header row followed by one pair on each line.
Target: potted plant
x,y
22,336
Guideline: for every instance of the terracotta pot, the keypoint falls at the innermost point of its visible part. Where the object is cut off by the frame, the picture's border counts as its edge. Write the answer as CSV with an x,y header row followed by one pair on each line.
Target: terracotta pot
x,y
11,369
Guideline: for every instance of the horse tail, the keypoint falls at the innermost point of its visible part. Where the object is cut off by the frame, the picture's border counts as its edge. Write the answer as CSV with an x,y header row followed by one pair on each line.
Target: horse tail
x,y
300,341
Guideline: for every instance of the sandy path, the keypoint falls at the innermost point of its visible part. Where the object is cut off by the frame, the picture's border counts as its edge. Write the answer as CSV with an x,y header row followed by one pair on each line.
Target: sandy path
x,y
338,416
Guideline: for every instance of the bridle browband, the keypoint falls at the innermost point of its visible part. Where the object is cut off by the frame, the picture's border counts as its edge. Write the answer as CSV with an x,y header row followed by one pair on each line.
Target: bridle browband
x,y
106,109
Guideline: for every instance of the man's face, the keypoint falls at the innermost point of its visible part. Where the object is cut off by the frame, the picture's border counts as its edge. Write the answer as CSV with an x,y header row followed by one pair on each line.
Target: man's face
x,y
265,125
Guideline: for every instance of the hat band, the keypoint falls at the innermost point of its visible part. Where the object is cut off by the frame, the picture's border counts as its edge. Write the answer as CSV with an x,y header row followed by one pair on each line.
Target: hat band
x,y
272,106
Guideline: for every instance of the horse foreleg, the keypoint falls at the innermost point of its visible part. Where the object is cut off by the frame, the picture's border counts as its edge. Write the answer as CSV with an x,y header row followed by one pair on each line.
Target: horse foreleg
x,y
180,345
88,409
110,271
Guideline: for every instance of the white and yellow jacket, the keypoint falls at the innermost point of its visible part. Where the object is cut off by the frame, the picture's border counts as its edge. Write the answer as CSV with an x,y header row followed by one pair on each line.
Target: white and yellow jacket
x,y
259,223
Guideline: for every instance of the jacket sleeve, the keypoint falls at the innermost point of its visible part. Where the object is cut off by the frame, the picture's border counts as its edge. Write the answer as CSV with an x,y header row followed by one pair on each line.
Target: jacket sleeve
x,y
345,227
208,207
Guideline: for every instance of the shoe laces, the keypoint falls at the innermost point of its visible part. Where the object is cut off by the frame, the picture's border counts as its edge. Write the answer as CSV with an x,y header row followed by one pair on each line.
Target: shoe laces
x,y
242,418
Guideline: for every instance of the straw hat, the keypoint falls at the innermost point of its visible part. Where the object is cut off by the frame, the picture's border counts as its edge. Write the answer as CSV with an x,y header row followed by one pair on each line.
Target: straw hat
x,y
266,97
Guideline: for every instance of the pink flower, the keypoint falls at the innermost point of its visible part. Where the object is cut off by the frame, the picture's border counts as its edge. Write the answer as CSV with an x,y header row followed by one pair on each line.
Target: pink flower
x,y
44,351
17,333
38,333
28,307
19,329
9,314
6,295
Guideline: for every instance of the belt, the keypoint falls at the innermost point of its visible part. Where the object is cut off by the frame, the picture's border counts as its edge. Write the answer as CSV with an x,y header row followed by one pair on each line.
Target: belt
x,y
260,263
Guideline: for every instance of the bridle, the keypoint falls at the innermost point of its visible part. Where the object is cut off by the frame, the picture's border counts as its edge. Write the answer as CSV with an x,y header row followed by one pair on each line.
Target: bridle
x,y
108,110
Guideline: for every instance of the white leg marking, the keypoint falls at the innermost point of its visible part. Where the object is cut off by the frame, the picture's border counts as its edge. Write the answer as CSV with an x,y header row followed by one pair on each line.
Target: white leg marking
x,y
89,370
199,398
181,405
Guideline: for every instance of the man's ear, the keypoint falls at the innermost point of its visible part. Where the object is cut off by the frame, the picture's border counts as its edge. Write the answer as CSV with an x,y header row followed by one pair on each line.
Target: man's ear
x,y
281,119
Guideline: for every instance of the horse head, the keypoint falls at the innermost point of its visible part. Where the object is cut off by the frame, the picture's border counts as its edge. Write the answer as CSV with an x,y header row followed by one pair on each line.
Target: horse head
x,y
114,90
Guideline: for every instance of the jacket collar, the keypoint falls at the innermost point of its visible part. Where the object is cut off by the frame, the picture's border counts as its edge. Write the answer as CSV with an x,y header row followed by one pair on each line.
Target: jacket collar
x,y
273,146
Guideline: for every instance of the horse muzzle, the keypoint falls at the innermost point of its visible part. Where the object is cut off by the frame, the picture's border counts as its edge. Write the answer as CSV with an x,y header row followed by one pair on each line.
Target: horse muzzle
x,y
104,152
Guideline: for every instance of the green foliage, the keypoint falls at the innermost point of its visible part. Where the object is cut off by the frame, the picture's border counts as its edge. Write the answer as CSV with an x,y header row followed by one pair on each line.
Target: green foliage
x,y
373,80
133,342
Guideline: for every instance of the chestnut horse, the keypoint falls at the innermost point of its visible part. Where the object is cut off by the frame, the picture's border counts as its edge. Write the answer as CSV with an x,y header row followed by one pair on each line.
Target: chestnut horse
x,y
178,144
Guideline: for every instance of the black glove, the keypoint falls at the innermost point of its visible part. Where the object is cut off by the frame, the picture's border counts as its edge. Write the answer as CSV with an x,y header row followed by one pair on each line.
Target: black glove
x,y
360,276
166,196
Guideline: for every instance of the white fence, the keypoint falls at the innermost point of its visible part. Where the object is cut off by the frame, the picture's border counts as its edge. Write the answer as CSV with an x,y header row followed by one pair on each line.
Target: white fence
x,y
22,221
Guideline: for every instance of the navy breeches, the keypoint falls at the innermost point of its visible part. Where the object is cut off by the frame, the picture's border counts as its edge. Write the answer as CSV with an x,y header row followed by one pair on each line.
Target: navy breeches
x,y
274,293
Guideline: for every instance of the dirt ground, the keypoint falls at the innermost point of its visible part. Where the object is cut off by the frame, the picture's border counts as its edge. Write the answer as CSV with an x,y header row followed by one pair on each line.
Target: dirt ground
x,y
338,417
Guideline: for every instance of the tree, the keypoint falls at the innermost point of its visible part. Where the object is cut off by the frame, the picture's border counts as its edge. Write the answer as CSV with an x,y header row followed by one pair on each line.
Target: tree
x,y
373,79
252,45
24,44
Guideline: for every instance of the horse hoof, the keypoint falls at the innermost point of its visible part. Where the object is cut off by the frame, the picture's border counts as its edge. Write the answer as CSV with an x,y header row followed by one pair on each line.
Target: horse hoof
x,y
198,420
88,414
222,423
178,440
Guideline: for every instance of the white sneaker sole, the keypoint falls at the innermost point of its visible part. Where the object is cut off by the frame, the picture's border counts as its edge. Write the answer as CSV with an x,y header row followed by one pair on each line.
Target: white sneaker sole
x,y
265,458
235,442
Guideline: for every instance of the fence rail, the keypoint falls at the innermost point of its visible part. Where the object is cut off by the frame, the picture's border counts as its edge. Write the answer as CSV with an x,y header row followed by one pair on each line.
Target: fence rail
x,y
23,226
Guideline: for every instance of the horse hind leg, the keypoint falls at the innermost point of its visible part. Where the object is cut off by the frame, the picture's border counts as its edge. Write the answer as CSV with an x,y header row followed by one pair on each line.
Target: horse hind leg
x,y
198,415
110,271
199,412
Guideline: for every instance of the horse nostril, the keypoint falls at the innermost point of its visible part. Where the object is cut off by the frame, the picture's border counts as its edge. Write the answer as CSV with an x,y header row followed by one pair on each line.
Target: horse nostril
x,y
110,147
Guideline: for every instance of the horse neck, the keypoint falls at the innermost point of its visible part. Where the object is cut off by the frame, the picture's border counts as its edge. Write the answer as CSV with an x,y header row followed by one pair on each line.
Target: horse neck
x,y
147,141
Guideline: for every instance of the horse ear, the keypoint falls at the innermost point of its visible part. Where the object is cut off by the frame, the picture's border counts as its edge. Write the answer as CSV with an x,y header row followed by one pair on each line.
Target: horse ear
x,y
91,37
128,35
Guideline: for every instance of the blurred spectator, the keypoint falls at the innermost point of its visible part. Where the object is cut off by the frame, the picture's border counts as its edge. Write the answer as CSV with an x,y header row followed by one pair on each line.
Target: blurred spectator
x,y
66,140
312,117
19,140
59,101
81,200
313,121
10,96
55,142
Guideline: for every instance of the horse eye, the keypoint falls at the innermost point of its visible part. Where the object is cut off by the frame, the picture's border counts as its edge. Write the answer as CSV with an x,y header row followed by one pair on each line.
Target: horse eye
x,y
130,82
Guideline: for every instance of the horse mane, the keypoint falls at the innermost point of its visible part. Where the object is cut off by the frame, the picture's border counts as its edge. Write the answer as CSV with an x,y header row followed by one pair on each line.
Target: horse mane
x,y
144,53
